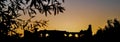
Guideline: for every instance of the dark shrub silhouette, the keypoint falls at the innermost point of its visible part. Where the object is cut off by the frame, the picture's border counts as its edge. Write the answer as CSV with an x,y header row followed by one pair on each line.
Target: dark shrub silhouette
x,y
109,33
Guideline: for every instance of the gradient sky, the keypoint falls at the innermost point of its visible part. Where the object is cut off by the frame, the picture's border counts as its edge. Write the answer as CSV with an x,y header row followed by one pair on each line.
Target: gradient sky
x,y
80,13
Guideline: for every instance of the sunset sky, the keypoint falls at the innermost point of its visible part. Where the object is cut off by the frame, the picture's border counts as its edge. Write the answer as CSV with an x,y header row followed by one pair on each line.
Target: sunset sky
x,y
80,13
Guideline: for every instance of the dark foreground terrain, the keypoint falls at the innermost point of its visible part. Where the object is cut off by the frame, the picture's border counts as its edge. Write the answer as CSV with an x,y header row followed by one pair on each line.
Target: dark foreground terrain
x,y
111,32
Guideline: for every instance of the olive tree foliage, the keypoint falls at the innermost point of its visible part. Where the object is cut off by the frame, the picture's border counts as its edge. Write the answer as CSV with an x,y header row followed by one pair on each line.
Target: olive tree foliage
x,y
10,10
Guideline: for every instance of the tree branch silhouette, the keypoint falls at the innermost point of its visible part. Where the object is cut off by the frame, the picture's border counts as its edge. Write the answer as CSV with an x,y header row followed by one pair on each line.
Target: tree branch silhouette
x,y
10,10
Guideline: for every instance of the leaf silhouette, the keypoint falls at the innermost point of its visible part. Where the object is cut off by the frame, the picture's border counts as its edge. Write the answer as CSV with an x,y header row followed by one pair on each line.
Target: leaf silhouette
x,y
27,1
10,10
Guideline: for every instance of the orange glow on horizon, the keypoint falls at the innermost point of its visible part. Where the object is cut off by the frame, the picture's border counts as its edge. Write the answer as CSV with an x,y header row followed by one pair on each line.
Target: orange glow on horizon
x,y
79,14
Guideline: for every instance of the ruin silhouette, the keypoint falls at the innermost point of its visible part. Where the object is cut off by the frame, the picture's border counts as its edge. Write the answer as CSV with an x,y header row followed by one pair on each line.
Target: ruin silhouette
x,y
109,33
